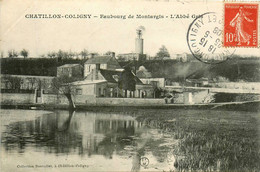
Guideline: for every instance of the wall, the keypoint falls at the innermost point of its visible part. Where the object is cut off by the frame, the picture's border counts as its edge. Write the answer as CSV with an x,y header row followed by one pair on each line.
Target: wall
x,y
88,68
87,89
239,85
202,97
160,81
17,98
101,87
84,99
92,100
148,89
94,75
25,81
129,101
61,99
178,98
198,97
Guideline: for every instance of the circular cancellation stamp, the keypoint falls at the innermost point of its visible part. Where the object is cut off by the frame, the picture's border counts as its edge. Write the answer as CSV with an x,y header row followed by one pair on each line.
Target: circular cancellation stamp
x,y
205,39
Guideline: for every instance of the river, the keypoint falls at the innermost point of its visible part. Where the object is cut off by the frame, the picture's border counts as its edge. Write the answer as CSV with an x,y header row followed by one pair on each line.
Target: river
x,y
34,140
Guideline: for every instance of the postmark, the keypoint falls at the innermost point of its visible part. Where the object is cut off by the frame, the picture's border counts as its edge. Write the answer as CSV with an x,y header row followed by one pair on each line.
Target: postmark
x,y
240,25
205,39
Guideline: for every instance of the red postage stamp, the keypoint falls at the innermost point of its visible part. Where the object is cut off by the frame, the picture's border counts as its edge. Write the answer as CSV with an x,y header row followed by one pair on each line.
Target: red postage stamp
x,y
240,25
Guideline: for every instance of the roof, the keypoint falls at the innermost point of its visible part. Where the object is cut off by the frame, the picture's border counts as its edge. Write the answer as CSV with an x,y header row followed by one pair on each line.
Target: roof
x,y
109,75
69,65
87,82
99,60
104,60
144,74
197,80
127,54
27,76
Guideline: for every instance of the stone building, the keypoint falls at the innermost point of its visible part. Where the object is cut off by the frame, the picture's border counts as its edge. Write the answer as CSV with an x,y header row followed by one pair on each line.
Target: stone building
x,y
71,70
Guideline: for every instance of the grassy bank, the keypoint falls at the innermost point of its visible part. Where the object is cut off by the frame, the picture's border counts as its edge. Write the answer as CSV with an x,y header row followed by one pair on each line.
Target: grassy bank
x,y
210,140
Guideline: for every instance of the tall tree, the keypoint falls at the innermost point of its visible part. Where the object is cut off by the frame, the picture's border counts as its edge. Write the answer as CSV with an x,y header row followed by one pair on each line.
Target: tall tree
x,y
163,52
64,85
24,53
108,53
71,54
84,53
12,53
51,54
13,83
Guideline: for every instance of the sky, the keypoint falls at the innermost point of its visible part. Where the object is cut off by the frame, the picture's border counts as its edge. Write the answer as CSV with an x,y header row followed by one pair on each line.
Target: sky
x,y
40,36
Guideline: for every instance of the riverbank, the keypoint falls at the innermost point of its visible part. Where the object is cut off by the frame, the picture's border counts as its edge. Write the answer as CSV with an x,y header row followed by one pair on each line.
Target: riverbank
x,y
252,106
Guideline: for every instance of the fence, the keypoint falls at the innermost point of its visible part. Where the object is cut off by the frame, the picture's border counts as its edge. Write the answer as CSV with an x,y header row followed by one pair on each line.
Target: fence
x,y
16,91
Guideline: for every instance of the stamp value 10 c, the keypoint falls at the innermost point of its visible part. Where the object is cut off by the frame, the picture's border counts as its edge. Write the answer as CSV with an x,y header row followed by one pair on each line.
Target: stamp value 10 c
x,y
240,25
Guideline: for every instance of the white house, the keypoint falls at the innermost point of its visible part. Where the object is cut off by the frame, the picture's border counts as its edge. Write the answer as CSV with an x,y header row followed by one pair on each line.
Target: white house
x,y
104,62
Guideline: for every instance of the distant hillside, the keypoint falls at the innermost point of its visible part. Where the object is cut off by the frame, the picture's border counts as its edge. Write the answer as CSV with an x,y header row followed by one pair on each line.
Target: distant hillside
x,y
234,69
34,66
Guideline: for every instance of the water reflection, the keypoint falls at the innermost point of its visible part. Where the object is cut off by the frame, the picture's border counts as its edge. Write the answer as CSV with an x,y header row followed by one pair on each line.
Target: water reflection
x,y
63,133
88,134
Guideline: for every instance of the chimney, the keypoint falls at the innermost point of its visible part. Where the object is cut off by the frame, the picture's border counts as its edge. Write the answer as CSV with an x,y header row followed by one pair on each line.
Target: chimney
x,y
97,66
92,55
96,71
113,54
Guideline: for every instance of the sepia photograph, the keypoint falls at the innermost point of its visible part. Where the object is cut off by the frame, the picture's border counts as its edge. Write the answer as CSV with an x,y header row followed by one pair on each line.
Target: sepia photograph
x,y
129,86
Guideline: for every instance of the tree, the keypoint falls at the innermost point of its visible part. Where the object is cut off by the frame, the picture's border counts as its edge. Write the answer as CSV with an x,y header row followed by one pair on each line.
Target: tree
x,y
12,53
13,83
84,53
64,84
2,54
42,56
24,53
32,82
60,55
108,53
51,54
163,52
71,54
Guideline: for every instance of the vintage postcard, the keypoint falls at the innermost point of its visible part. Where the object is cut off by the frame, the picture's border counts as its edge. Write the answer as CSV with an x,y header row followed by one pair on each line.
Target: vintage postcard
x,y
150,85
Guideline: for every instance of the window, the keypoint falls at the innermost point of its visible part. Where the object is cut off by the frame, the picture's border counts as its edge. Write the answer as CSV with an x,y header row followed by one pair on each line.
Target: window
x,y
104,92
116,77
99,92
78,91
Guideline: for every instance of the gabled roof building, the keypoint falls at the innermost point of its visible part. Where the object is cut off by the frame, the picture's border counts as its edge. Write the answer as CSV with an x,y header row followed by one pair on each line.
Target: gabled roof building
x,y
104,77
104,62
